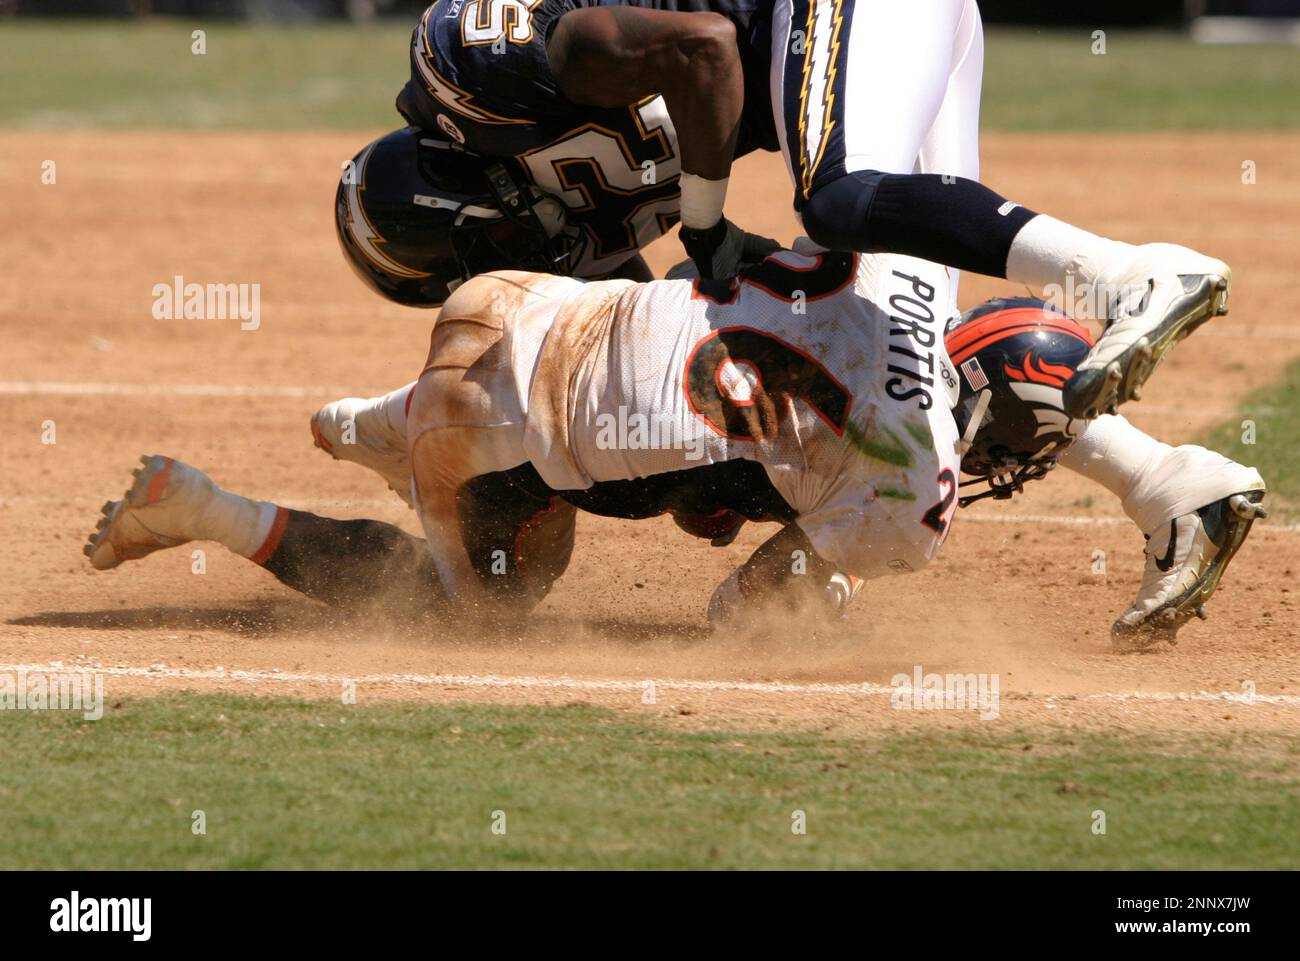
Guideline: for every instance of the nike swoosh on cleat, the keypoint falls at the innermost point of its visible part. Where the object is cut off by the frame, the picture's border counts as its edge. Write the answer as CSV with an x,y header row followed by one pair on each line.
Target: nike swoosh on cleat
x,y
1167,562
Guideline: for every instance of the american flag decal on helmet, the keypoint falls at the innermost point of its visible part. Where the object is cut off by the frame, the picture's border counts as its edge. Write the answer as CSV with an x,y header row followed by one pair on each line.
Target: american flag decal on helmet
x,y
974,374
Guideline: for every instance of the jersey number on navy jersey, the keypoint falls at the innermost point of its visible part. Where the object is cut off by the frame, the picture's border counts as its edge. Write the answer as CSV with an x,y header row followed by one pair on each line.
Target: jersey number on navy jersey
x,y
495,21
624,180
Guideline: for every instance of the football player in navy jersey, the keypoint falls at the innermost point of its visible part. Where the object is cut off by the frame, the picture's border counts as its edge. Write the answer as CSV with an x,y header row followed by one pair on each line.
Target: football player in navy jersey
x,y
480,77
875,106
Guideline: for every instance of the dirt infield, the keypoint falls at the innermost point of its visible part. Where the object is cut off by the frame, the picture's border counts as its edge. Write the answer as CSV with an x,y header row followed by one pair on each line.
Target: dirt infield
x,y
1012,594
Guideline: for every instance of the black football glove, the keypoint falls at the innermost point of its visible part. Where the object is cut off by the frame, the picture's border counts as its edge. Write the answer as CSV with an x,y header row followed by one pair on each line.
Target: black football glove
x,y
723,249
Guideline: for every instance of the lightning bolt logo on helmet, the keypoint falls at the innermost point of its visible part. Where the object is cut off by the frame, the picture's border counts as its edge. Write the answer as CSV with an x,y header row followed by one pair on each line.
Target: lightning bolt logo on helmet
x,y
359,227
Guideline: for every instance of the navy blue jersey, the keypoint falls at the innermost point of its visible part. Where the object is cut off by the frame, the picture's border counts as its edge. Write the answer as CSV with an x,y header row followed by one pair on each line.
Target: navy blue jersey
x,y
480,76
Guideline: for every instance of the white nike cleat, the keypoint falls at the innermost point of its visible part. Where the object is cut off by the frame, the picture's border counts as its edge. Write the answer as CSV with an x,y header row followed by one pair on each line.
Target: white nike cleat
x,y
1185,560
354,429
1155,297
159,511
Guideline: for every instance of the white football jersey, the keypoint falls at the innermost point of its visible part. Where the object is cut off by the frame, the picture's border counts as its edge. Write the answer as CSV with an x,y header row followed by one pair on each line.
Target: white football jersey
x,y
828,370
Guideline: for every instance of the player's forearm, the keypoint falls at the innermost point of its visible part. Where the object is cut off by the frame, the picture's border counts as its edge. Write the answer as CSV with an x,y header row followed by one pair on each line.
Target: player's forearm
x,y
614,56
705,99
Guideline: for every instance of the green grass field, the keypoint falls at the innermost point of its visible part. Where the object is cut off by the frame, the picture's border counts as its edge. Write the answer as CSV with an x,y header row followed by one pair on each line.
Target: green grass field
x,y
1144,81
124,74
1266,435
288,784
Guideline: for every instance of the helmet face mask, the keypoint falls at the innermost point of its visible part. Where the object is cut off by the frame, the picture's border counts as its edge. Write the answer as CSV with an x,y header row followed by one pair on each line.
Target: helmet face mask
x,y
528,233
417,217
1013,356
1006,479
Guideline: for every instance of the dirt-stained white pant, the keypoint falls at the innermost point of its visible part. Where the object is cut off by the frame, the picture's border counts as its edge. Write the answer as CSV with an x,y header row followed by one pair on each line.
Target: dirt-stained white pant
x,y
466,421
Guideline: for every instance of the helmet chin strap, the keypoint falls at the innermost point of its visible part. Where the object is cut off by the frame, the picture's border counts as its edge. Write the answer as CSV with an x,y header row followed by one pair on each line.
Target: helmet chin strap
x,y
976,421
1008,481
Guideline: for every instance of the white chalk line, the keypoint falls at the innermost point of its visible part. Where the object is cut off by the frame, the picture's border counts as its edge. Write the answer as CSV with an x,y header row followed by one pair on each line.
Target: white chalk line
x,y
492,681
1088,521
33,388
1070,520
293,503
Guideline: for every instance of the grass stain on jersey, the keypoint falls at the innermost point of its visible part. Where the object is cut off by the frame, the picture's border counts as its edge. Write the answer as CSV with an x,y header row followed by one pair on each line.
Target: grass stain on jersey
x,y
883,445
921,433
895,493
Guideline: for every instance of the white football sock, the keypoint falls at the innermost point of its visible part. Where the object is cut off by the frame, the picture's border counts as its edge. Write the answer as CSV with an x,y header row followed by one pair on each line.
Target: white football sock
x,y
394,407
1113,453
1061,261
379,423
1154,482
239,523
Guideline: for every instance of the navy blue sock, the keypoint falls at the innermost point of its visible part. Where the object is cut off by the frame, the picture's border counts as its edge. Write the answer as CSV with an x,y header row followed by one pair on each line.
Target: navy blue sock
x,y
952,221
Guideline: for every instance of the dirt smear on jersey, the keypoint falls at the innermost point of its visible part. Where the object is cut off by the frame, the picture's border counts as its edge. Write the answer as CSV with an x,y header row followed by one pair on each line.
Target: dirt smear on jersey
x,y
89,368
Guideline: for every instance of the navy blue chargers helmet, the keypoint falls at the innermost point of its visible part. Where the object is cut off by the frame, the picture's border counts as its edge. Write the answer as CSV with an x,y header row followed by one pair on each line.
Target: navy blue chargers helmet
x,y
416,217
1012,356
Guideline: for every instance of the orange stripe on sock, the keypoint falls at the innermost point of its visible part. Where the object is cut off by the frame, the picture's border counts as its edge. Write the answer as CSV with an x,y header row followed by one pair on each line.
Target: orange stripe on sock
x,y
158,483
273,537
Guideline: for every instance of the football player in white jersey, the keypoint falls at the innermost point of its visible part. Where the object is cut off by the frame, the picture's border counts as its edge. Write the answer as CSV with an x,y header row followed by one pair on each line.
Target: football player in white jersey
x,y
816,392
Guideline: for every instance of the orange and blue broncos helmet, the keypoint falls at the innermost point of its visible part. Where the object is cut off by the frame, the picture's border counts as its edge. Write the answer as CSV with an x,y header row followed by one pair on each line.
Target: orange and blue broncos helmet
x,y
1012,357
